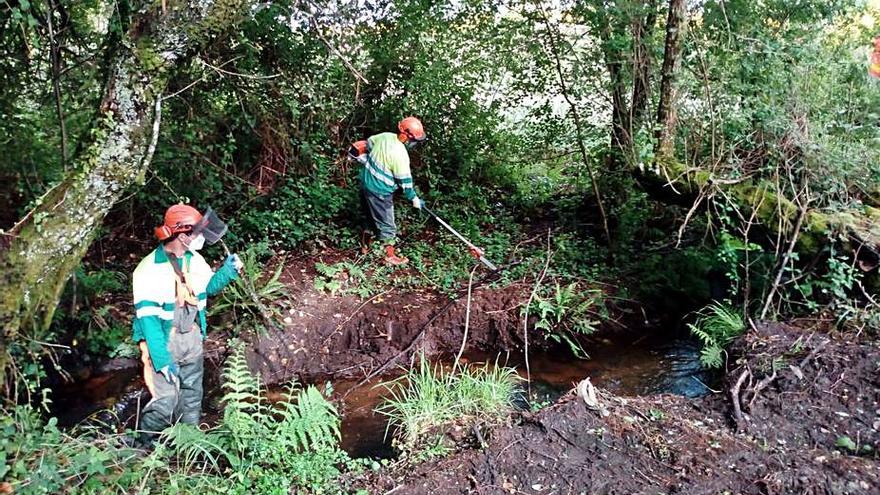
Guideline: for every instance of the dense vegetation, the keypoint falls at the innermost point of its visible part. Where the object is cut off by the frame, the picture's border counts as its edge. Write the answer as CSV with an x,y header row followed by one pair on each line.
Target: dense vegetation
x,y
719,154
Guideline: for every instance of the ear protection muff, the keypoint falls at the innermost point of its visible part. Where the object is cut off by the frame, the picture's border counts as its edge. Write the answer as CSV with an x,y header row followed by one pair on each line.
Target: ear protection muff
x,y
163,232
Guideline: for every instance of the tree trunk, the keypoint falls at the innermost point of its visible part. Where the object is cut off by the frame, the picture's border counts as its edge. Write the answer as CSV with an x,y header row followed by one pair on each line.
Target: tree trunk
x,y
49,243
858,228
620,121
666,113
643,27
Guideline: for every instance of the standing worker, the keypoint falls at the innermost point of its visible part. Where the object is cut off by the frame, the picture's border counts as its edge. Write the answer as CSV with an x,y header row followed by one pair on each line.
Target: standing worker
x,y
385,163
171,286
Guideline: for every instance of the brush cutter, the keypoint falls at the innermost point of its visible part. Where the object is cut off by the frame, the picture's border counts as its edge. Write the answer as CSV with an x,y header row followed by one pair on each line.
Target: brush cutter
x,y
477,252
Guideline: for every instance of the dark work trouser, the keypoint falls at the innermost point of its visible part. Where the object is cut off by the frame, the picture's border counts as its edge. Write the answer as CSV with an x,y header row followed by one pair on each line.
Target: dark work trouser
x,y
379,215
181,400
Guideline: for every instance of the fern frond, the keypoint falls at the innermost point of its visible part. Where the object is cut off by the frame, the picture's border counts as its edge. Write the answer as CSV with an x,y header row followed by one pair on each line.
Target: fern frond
x,y
716,327
192,445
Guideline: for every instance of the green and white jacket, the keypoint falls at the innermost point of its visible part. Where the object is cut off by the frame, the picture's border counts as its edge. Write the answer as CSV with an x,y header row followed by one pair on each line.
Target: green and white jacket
x,y
386,166
153,286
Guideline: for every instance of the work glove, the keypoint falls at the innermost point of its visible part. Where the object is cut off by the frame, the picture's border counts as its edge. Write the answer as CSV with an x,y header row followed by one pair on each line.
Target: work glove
x,y
170,373
417,203
234,262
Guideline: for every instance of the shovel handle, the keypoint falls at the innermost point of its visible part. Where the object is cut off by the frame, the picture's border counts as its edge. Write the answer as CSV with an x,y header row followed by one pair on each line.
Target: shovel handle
x,y
488,264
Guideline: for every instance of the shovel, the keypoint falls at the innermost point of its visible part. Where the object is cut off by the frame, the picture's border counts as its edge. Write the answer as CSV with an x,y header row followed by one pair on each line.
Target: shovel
x,y
477,252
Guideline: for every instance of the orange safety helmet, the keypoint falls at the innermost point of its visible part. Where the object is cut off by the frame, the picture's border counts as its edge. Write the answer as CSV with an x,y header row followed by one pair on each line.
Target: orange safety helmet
x,y
178,218
411,129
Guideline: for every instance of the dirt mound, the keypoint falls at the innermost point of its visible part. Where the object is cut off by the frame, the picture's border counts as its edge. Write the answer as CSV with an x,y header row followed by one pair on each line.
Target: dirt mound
x,y
341,336
801,389
668,444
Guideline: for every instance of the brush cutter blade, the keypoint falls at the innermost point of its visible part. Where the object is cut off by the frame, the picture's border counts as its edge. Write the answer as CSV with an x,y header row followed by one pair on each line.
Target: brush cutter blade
x,y
211,227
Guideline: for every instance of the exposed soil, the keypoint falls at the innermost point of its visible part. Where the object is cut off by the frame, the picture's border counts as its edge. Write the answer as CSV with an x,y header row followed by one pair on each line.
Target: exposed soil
x,y
801,392
669,444
344,337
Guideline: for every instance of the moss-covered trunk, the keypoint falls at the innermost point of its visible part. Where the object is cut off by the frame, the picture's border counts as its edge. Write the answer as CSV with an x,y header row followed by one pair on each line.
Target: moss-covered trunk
x,y
52,241
857,229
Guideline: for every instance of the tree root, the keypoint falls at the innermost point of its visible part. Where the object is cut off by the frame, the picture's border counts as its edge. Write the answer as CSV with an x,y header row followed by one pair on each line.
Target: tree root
x,y
734,397
740,396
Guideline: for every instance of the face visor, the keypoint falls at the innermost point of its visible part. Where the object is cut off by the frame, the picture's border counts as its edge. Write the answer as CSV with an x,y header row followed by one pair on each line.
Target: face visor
x,y
210,227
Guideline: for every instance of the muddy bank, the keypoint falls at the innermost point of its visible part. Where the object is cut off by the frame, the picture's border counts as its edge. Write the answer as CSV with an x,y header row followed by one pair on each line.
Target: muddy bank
x,y
343,336
786,443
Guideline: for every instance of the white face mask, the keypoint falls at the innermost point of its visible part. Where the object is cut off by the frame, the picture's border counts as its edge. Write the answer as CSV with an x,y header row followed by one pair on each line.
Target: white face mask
x,y
198,242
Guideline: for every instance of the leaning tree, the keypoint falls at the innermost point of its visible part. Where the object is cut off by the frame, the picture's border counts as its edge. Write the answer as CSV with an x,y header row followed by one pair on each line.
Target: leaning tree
x,y
47,245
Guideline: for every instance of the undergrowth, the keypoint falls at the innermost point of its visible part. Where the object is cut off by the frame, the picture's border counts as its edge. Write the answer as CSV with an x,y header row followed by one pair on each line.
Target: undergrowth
x,y
428,399
258,447
716,327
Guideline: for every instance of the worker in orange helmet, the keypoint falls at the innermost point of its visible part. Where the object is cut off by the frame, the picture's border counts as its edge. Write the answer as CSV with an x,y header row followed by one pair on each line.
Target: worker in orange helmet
x,y
386,169
171,287
874,67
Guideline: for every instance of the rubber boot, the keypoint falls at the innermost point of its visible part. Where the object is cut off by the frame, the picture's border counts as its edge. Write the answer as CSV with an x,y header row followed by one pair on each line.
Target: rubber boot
x,y
391,258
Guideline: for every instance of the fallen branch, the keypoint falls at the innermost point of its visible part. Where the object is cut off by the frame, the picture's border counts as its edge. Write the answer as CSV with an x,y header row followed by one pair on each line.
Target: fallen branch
x,y
761,385
785,259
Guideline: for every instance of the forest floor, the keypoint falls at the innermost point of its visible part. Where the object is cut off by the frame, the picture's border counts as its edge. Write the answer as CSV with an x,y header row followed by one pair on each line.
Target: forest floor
x,y
824,389
809,402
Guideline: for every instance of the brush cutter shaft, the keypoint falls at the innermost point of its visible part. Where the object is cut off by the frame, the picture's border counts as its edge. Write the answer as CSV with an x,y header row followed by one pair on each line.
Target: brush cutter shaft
x,y
463,239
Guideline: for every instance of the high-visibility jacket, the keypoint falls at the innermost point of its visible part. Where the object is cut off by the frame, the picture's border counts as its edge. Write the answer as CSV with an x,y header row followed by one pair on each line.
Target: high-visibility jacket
x,y
153,286
386,166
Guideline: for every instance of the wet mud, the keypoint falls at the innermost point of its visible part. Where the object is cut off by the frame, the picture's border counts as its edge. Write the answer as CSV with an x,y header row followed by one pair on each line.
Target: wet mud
x,y
786,442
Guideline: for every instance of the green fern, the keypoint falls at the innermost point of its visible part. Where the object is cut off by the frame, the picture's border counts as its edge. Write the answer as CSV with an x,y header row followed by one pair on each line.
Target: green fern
x,y
309,422
194,447
295,441
236,297
244,411
716,327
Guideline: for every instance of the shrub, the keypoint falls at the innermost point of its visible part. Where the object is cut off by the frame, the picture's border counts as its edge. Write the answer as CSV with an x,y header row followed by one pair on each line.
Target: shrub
x,y
260,447
716,327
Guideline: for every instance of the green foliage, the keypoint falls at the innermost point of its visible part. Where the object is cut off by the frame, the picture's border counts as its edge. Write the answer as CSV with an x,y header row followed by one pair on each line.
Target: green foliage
x,y
348,277
237,297
293,442
99,282
569,312
428,398
106,335
302,209
258,447
39,458
716,327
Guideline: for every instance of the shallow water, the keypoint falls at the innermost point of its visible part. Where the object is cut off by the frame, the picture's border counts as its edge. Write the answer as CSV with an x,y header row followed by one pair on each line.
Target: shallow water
x,y
622,368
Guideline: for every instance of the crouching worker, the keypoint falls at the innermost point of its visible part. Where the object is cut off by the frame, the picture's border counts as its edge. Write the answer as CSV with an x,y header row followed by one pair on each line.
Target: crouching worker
x,y
386,169
171,286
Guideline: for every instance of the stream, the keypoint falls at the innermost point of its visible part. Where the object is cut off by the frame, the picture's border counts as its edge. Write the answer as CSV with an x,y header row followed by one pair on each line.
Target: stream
x,y
627,369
